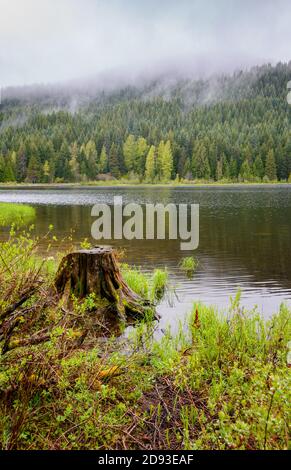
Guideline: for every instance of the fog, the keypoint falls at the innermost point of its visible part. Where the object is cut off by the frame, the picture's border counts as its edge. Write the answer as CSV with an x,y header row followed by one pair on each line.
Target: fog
x,y
48,41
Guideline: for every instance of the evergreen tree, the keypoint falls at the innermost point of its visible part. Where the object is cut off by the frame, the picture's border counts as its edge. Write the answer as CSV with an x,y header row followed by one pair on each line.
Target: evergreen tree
x,y
91,158
2,169
46,172
219,170
141,153
150,170
233,168
103,162
245,171
167,162
74,164
270,169
200,162
12,161
9,175
62,170
226,168
21,164
288,156
229,131
34,171
130,153
114,161
187,170
258,167
160,159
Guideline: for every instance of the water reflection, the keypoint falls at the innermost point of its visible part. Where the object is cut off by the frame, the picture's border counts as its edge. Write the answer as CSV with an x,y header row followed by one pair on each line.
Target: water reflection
x,y
245,238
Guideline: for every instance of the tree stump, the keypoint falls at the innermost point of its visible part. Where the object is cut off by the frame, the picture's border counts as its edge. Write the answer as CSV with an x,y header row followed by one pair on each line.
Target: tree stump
x,y
96,271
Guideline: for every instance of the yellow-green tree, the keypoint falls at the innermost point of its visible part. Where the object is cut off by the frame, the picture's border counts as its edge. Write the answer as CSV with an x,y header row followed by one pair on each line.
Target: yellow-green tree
x,y
150,170
103,162
73,163
129,152
141,153
46,172
91,159
271,169
167,162
160,159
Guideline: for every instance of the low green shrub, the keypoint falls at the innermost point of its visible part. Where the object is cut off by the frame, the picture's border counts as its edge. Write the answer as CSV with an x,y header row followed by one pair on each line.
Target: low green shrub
x,y
16,214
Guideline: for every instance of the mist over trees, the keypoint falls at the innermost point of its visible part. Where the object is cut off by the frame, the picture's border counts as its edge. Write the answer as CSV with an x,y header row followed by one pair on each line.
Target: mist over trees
x,y
227,128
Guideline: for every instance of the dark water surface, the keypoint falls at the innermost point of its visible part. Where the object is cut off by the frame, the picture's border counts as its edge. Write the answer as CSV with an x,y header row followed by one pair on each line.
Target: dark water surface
x,y
245,239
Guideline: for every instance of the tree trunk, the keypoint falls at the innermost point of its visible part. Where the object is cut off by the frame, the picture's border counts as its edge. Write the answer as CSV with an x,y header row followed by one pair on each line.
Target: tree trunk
x,y
96,271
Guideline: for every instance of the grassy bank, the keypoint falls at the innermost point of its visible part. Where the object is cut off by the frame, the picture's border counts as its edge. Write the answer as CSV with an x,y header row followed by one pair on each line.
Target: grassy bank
x,y
222,382
16,214
130,184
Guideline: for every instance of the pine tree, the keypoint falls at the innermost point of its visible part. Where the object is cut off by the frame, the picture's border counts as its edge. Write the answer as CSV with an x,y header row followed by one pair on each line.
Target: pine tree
x,y
74,164
2,169
187,169
12,161
233,168
9,175
46,172
159,160
141,153
91,158
82,163
226,168
288,156
34,170
219,170
103,162
271,169
258,167
167,162
150,167
241,130
114,161
62,169
129,153
21,164
200,162
245,171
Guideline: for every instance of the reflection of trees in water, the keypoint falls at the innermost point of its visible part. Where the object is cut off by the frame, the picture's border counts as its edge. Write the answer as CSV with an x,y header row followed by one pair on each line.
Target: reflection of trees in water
x,y
64,219
257,239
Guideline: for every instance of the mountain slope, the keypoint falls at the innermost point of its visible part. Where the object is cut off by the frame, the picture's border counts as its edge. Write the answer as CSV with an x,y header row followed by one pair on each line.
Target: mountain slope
x,y
226,127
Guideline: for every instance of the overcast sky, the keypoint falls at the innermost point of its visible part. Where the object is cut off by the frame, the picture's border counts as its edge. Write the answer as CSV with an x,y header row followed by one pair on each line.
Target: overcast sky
x,y
44,41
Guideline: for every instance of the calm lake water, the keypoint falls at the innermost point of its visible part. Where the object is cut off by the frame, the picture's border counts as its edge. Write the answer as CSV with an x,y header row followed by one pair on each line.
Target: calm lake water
x,y
245,239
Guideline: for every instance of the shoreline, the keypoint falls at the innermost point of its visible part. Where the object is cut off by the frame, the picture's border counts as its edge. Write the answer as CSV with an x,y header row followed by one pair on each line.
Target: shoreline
x,y
119,184
212,384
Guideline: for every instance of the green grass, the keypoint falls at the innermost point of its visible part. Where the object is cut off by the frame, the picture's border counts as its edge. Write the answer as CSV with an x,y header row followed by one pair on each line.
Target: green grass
x,y
227,386
16,214
221,382
151,287
128,183
189,265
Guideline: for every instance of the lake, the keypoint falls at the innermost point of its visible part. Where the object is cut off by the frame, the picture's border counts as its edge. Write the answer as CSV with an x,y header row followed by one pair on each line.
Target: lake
x,y
245,239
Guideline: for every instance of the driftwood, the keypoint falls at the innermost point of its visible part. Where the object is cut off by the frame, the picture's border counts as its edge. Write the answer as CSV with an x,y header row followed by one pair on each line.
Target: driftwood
x,y
96,271
27,294
13,315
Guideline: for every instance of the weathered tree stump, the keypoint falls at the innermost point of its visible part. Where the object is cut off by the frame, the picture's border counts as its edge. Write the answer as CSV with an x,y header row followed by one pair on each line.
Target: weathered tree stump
x,y
96,271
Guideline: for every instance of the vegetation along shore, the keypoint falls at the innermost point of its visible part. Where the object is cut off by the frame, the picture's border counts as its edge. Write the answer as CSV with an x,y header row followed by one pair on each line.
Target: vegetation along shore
x,y
152,133
72,379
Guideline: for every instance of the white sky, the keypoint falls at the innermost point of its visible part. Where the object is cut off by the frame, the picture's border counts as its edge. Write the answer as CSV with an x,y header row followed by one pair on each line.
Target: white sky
x,y
45,41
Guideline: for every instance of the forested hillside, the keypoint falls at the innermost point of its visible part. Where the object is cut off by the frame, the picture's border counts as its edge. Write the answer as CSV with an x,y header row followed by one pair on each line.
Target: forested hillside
x,y
225,128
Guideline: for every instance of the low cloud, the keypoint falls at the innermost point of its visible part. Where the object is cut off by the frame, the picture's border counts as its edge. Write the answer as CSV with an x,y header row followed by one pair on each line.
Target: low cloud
x,y
45,41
